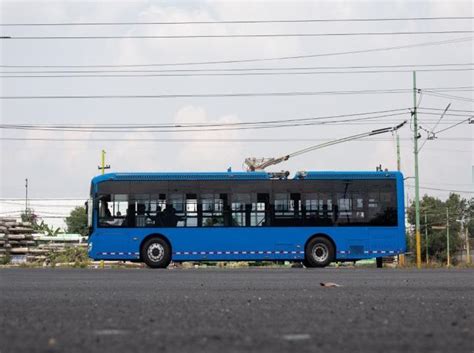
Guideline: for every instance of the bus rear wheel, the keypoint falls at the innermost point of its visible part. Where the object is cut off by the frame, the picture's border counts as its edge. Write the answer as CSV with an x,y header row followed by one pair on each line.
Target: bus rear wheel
x,y
319,252
156,253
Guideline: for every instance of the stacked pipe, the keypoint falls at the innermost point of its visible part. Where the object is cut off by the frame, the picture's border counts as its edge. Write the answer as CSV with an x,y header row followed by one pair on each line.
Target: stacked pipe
x,y
16,239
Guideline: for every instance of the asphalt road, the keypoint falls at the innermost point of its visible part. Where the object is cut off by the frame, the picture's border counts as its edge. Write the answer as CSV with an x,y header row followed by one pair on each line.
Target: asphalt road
x,y
236,310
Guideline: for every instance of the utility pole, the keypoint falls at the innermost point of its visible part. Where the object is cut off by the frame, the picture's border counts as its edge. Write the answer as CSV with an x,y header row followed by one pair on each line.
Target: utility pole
x,y
448,258
417,181
401,257
103,166
468,251
426,237
26,197
399,164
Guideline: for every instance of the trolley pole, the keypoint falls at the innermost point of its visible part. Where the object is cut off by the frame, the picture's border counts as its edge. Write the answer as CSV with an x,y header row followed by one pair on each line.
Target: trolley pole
x,y
448,258
426,237
417,181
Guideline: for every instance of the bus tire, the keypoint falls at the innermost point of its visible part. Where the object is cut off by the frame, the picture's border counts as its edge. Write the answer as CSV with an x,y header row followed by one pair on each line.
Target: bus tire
x,y
319,252
379,262
156,253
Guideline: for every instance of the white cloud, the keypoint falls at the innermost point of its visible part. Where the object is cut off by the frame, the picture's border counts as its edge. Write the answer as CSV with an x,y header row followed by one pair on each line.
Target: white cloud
x,y
196,155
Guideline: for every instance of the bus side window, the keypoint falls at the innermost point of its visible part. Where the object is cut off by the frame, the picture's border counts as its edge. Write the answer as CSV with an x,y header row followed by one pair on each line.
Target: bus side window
x,y
261,211
174,214
287,209
212,209
239,209
157,208
112,209
318,209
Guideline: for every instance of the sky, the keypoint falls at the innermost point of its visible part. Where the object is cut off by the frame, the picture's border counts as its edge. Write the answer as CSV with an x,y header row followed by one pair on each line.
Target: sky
x,y
63,169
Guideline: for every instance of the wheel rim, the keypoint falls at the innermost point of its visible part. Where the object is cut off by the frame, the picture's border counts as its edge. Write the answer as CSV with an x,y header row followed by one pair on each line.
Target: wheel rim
x,y
155,252
320,253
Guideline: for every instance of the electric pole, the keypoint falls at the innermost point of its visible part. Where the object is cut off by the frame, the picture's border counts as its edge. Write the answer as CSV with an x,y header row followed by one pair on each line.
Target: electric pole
x,y
417,182
468,250
26,197
426,237
103,166
448,258
399,163
401,257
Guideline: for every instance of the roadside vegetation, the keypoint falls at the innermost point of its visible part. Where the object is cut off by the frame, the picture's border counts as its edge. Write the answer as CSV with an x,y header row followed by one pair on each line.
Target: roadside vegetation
x,y
454,215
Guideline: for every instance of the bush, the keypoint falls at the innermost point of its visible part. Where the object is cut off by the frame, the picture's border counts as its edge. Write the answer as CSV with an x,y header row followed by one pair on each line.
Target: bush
x,y
73,255
5,260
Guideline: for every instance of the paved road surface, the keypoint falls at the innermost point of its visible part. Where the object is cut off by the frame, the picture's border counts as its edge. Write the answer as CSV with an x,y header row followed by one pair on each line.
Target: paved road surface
x,y
236,310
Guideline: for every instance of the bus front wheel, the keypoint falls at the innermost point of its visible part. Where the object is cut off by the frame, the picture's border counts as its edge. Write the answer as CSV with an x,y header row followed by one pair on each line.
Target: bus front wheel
x,y
156,253
319,252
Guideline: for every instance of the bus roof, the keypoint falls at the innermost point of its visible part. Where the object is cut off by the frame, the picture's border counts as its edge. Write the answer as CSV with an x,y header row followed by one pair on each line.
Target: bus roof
x,y
244,175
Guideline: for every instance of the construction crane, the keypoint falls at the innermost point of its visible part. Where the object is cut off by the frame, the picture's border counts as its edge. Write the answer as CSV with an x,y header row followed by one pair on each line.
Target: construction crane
x,y
254,164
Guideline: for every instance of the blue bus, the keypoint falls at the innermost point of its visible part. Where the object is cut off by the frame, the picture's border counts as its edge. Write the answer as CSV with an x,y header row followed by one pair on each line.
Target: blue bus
x,y
314,218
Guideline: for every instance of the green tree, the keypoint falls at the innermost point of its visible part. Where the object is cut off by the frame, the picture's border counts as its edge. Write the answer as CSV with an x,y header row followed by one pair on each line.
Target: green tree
x,y
29,216
40,227
435,210
46,229
470,218
77,221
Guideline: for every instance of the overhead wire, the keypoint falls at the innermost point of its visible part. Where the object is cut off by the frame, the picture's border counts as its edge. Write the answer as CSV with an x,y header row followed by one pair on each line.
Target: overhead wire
x,y
242,94
454,125
213,140
448,96
172,129
222,74
441,189
304,20
269,59
238,69
233,36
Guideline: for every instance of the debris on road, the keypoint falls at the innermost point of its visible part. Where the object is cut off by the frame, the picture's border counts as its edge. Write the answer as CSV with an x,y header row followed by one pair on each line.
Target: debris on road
x,y
329,284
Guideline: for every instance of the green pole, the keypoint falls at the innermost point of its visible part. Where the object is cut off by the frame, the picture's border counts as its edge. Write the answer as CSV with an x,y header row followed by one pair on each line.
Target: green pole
x,y
103,162
417,181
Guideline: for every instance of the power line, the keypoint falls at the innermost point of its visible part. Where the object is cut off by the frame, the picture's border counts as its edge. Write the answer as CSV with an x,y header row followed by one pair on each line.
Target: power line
x,y
351,52
44,199
237,69
39,205
215,140
451,110
172,129
127,125
220,74
440,189
210,127
306,20
233,36
447,114
244,94
448,96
